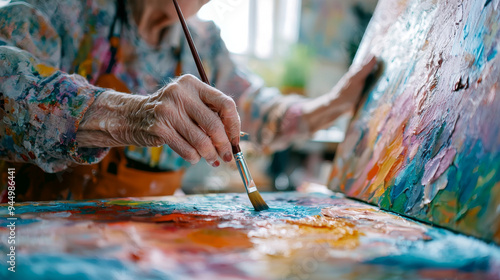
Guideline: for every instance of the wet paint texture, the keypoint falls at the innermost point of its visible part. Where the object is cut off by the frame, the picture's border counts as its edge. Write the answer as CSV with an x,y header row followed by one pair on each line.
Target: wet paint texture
x,y
426,142
302,236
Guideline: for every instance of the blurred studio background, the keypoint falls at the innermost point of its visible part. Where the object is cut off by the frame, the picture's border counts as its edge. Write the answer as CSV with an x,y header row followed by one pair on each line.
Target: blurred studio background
x,y
298,46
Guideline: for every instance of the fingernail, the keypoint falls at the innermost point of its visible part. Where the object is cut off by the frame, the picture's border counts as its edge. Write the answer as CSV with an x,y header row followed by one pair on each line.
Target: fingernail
x,y
216,163
228,157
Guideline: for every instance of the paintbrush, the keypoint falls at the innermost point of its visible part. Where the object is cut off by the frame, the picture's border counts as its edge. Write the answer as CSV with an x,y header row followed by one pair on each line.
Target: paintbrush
x,y
253,194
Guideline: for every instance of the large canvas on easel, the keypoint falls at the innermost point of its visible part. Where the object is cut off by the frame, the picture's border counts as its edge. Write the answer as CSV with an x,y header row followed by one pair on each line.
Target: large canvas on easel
x,y
426,141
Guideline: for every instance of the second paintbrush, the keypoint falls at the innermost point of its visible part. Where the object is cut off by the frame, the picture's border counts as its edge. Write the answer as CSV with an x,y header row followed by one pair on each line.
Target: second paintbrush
x,y
253,194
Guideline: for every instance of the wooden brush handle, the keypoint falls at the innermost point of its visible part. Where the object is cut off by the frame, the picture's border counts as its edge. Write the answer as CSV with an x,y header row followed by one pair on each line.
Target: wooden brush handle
x,y
192,47
196,56
236,149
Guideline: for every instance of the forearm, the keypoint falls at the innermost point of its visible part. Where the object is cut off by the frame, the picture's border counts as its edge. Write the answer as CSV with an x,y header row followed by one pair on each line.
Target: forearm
x,y
271,119
107,122
297,118
319,113
275,121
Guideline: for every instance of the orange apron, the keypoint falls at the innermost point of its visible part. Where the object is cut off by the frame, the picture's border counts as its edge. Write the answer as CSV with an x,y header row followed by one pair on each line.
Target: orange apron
x,y
92,181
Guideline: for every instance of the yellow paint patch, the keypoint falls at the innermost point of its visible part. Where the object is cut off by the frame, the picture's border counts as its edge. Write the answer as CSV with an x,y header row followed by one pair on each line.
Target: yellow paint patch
x,y
300,237
45,70
221,238
155,155
336,232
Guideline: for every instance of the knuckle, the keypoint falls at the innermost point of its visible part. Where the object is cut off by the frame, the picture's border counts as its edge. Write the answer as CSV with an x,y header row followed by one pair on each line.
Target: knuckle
x,y
199,140
187,78
228,103
211,156
228,108
172,88
192,157
205,148
214,126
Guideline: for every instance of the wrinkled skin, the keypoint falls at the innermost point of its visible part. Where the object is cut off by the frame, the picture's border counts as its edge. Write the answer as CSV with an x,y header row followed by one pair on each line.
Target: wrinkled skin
x,y
192,118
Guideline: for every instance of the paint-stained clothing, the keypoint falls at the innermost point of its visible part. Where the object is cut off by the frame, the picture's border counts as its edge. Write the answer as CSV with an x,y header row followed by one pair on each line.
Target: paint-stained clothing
x,y
52,52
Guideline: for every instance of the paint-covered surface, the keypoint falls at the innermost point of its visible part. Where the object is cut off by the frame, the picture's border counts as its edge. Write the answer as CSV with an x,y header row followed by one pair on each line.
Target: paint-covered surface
x,y
426,143
302,236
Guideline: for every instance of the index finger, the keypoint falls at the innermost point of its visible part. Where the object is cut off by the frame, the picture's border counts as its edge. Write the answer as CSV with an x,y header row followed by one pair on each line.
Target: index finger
x,y
226,108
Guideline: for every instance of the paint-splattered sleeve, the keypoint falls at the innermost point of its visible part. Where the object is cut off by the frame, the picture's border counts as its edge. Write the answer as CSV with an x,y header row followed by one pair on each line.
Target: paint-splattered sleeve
x,y
40,106
272,119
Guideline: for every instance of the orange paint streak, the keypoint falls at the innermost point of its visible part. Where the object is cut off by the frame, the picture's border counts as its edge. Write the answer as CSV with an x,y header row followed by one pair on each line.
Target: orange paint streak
x,y
44,28
373,172
333,174
188,220
43,107
221,238
388,159
396,167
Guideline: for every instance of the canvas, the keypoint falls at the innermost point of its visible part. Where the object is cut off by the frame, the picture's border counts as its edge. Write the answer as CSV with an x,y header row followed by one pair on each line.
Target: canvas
x,y
426,141
302,236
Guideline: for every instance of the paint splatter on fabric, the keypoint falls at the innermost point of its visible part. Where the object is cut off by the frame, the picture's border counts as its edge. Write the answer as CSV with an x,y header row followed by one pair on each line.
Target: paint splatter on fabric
x,y
426,143
41,105
302,236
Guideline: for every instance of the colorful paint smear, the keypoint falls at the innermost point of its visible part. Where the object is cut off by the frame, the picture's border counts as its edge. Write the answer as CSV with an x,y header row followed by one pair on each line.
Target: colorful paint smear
x,y
302,236
426,143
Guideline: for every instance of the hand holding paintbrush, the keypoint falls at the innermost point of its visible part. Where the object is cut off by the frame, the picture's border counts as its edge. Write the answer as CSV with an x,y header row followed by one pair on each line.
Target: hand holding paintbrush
x,y
255,198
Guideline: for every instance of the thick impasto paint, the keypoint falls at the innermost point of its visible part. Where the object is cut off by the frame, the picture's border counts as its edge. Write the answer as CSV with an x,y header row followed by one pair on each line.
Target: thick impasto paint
x,y
426,143
302,236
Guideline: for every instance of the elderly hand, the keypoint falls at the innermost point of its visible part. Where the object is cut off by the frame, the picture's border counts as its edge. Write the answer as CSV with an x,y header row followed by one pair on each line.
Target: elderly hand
x,y
318,113
192,118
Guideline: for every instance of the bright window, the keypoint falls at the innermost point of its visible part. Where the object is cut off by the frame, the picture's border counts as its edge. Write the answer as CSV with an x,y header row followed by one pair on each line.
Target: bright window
x,y
258,28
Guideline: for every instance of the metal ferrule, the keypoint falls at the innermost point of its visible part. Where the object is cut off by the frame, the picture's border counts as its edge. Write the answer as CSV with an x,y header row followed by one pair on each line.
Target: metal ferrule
x,y
244,172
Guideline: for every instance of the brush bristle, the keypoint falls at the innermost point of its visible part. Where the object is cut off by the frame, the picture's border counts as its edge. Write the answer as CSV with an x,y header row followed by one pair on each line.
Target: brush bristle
x,y
257,201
